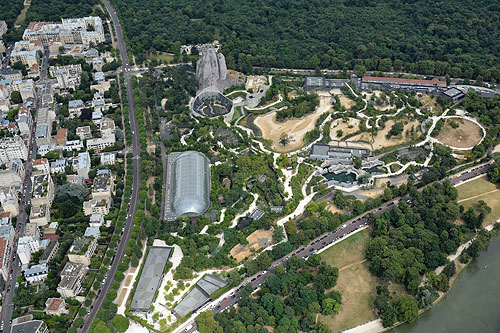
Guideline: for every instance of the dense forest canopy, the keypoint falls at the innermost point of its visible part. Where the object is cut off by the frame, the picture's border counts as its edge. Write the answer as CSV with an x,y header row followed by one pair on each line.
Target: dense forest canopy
x,y
10,10
54,10
459,38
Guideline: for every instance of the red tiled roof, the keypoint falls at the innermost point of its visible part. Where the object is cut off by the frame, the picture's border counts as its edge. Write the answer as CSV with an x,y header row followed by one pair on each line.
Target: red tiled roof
x,y
56,302
53,237
6,214
40,161
403,80
61,133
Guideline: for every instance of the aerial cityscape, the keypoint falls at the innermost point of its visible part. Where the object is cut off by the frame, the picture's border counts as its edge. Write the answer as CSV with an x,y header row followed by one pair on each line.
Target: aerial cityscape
x,y
249,166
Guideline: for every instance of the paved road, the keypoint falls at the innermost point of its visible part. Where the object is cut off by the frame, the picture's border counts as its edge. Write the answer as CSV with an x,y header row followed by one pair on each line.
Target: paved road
x,y
136,172
329,238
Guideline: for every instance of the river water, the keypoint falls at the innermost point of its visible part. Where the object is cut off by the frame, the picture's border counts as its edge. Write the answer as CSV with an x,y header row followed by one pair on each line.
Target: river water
x,y
473,303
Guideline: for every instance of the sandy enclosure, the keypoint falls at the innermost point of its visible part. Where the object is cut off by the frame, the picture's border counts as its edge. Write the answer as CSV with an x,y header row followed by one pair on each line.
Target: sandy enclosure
x,y
380,141
467,135
350,125
295,128
254,82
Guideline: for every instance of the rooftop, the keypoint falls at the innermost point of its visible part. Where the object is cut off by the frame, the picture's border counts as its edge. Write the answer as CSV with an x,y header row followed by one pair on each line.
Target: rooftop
x,y
150,278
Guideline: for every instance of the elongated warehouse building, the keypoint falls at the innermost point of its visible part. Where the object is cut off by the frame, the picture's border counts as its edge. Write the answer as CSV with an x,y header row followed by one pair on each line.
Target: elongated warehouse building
x,y
188,184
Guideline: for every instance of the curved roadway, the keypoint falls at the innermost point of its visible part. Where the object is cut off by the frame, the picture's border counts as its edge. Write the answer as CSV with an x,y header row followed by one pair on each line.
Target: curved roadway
x,y
136,174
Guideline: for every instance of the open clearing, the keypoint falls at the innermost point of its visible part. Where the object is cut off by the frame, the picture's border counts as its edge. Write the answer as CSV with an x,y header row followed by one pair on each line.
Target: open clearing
x,y
295,128
380,141
355,282
357,286
481,189
256,240
254,82
467,135
347,126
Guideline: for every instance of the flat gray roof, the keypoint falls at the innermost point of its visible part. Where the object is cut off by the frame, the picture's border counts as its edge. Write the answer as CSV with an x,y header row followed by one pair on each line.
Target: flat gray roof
x,y
199,295
27,327
150,279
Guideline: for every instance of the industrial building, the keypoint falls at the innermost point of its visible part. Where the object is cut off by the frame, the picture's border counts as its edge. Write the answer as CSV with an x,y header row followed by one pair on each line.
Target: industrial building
x,y
188,183
319,83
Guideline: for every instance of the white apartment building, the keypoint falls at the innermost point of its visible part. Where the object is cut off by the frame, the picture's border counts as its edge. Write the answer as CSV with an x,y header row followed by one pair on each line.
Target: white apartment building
x,y
75,108
26,246
84,132
36,273
12,148
6,240
100,205
72,277
40,215
73,145
99,144
11,172
81,165
42,165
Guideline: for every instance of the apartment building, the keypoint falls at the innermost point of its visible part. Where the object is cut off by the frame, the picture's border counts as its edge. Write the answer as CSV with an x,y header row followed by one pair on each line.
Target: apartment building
x,y
12,148
82,250
11,172
43,190
84,132
81,165
42,165
40,214
6,240
36,273
72,277
26,246
97,206
67,76
75,108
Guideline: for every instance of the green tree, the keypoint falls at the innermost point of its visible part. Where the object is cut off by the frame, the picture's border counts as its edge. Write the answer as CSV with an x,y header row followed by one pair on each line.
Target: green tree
x,y
407,309
207,324
15,97
120,323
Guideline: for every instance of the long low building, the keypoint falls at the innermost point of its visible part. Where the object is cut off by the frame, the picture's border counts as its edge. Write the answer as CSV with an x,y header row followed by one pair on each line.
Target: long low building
x,y
150,278
404,82
331,153
199,295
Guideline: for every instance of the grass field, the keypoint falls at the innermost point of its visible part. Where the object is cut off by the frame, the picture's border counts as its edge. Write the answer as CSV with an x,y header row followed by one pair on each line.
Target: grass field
x,y
480,189
357,286
476,187
355,283
347,252
162,56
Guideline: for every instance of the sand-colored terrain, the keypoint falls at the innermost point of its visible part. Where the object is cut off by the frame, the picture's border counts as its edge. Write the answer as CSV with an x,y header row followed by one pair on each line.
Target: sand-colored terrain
x,y
256,240
380,141
378,94
466,135
254,82
429,103
347,126
296,129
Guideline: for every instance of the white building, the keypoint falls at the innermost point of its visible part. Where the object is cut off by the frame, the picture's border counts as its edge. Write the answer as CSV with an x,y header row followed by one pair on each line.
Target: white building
x,y
6,240
12,148
81,165
36,273
58,166
82,250
100,205
75,108
73,145
96,220
40,215
11,172
42,165
26,246
68,76
69,31
108,158
99,144
9,199
84,132
72,277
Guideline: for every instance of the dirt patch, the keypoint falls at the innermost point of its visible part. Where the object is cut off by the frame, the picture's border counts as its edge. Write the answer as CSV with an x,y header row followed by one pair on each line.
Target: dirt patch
x,y
128,279
380,141
121,297
254,82
429,103
378,95
347,126
296,129
256,240
374,193
334,209
466,135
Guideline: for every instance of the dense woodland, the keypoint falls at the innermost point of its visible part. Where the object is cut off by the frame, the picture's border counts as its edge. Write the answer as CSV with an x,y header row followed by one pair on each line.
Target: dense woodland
x,y
459,38
54,10
288,301
10,11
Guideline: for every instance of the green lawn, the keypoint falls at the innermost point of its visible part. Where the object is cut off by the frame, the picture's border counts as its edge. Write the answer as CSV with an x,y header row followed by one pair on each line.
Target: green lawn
x,y
493,200
476,187
348,251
